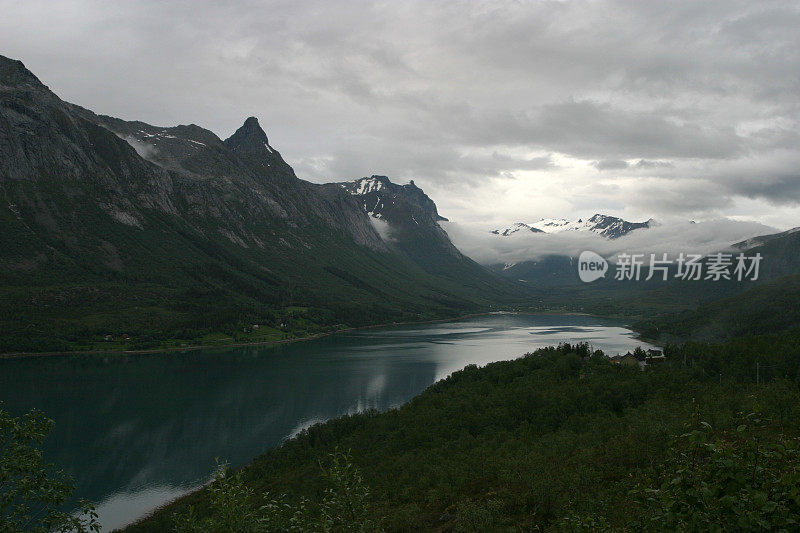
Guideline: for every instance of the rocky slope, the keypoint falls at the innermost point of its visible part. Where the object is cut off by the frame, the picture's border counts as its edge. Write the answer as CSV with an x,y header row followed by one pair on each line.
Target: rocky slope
x,y
409,220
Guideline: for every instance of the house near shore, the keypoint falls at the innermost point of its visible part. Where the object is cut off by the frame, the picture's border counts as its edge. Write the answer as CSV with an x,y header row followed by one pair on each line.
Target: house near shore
x,y
644,358
654,357
626,360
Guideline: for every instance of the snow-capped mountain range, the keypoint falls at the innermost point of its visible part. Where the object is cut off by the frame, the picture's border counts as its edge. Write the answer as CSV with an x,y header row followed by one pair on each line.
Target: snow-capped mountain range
x,y
604,225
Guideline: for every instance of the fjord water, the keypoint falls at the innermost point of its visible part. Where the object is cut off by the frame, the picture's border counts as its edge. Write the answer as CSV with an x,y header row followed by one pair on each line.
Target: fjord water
x,y
137,430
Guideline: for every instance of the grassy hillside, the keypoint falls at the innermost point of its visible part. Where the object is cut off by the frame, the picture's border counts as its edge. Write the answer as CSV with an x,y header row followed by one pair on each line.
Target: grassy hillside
x,y
559,439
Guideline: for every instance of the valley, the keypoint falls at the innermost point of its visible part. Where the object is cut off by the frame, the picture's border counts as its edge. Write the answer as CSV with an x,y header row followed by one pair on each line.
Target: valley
x,y
318,267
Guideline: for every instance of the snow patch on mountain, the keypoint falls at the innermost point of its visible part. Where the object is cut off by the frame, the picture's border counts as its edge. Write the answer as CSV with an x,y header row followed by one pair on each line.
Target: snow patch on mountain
x,y
519,226
364,186
607,226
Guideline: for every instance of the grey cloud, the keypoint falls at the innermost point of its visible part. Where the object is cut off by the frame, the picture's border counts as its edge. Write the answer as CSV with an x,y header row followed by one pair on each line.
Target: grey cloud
x,y
587,129
699,196
703,95
781,189
644,163
533,163
773,177
610,164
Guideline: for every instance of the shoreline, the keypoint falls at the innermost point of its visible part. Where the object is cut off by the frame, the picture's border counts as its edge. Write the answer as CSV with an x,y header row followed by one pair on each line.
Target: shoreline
x,y
192,492
148,351
26,355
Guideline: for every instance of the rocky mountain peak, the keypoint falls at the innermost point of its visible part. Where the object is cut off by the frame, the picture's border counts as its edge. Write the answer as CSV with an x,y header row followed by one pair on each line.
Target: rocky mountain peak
x,y
516,227
377,192
14,74
249,137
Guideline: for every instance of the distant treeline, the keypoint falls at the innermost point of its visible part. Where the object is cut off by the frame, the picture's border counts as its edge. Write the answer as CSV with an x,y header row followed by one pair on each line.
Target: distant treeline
x,y
115,316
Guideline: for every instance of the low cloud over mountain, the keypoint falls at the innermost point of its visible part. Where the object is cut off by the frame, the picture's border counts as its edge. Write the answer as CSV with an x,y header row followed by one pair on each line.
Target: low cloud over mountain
x,y
668,237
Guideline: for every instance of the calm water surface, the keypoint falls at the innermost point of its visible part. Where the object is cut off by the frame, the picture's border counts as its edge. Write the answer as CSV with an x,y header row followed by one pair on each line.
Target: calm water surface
x,y
135,431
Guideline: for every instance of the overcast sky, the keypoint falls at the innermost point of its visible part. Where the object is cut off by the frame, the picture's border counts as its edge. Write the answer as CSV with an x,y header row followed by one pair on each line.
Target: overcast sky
x,y
501,111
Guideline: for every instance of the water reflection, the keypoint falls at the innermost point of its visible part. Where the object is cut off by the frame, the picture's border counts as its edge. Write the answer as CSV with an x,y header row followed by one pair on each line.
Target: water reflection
x,y
124,507
135,431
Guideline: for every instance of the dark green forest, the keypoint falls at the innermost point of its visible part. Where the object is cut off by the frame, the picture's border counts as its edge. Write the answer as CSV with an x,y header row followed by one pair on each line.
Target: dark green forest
x,y
762,310
217,304
560,439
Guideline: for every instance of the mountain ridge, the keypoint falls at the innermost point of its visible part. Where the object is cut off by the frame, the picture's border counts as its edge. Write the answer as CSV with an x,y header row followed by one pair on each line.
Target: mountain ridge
x,y
412,223
605,225
174,233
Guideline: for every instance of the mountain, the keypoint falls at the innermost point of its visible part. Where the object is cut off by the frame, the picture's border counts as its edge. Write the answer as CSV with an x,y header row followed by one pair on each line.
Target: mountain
x,y
732,306
383,199
656,298
559,270
724,309
519,227
607,226
115,227
762,239
759,310
409,220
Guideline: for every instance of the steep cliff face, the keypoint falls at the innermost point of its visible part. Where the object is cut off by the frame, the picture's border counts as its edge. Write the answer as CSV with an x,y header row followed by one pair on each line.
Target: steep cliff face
x,y
81,185
242,181
60,174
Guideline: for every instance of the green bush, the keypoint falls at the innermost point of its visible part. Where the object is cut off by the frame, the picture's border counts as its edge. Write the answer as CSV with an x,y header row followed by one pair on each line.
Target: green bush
x,y
734,481
233,505
31,492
